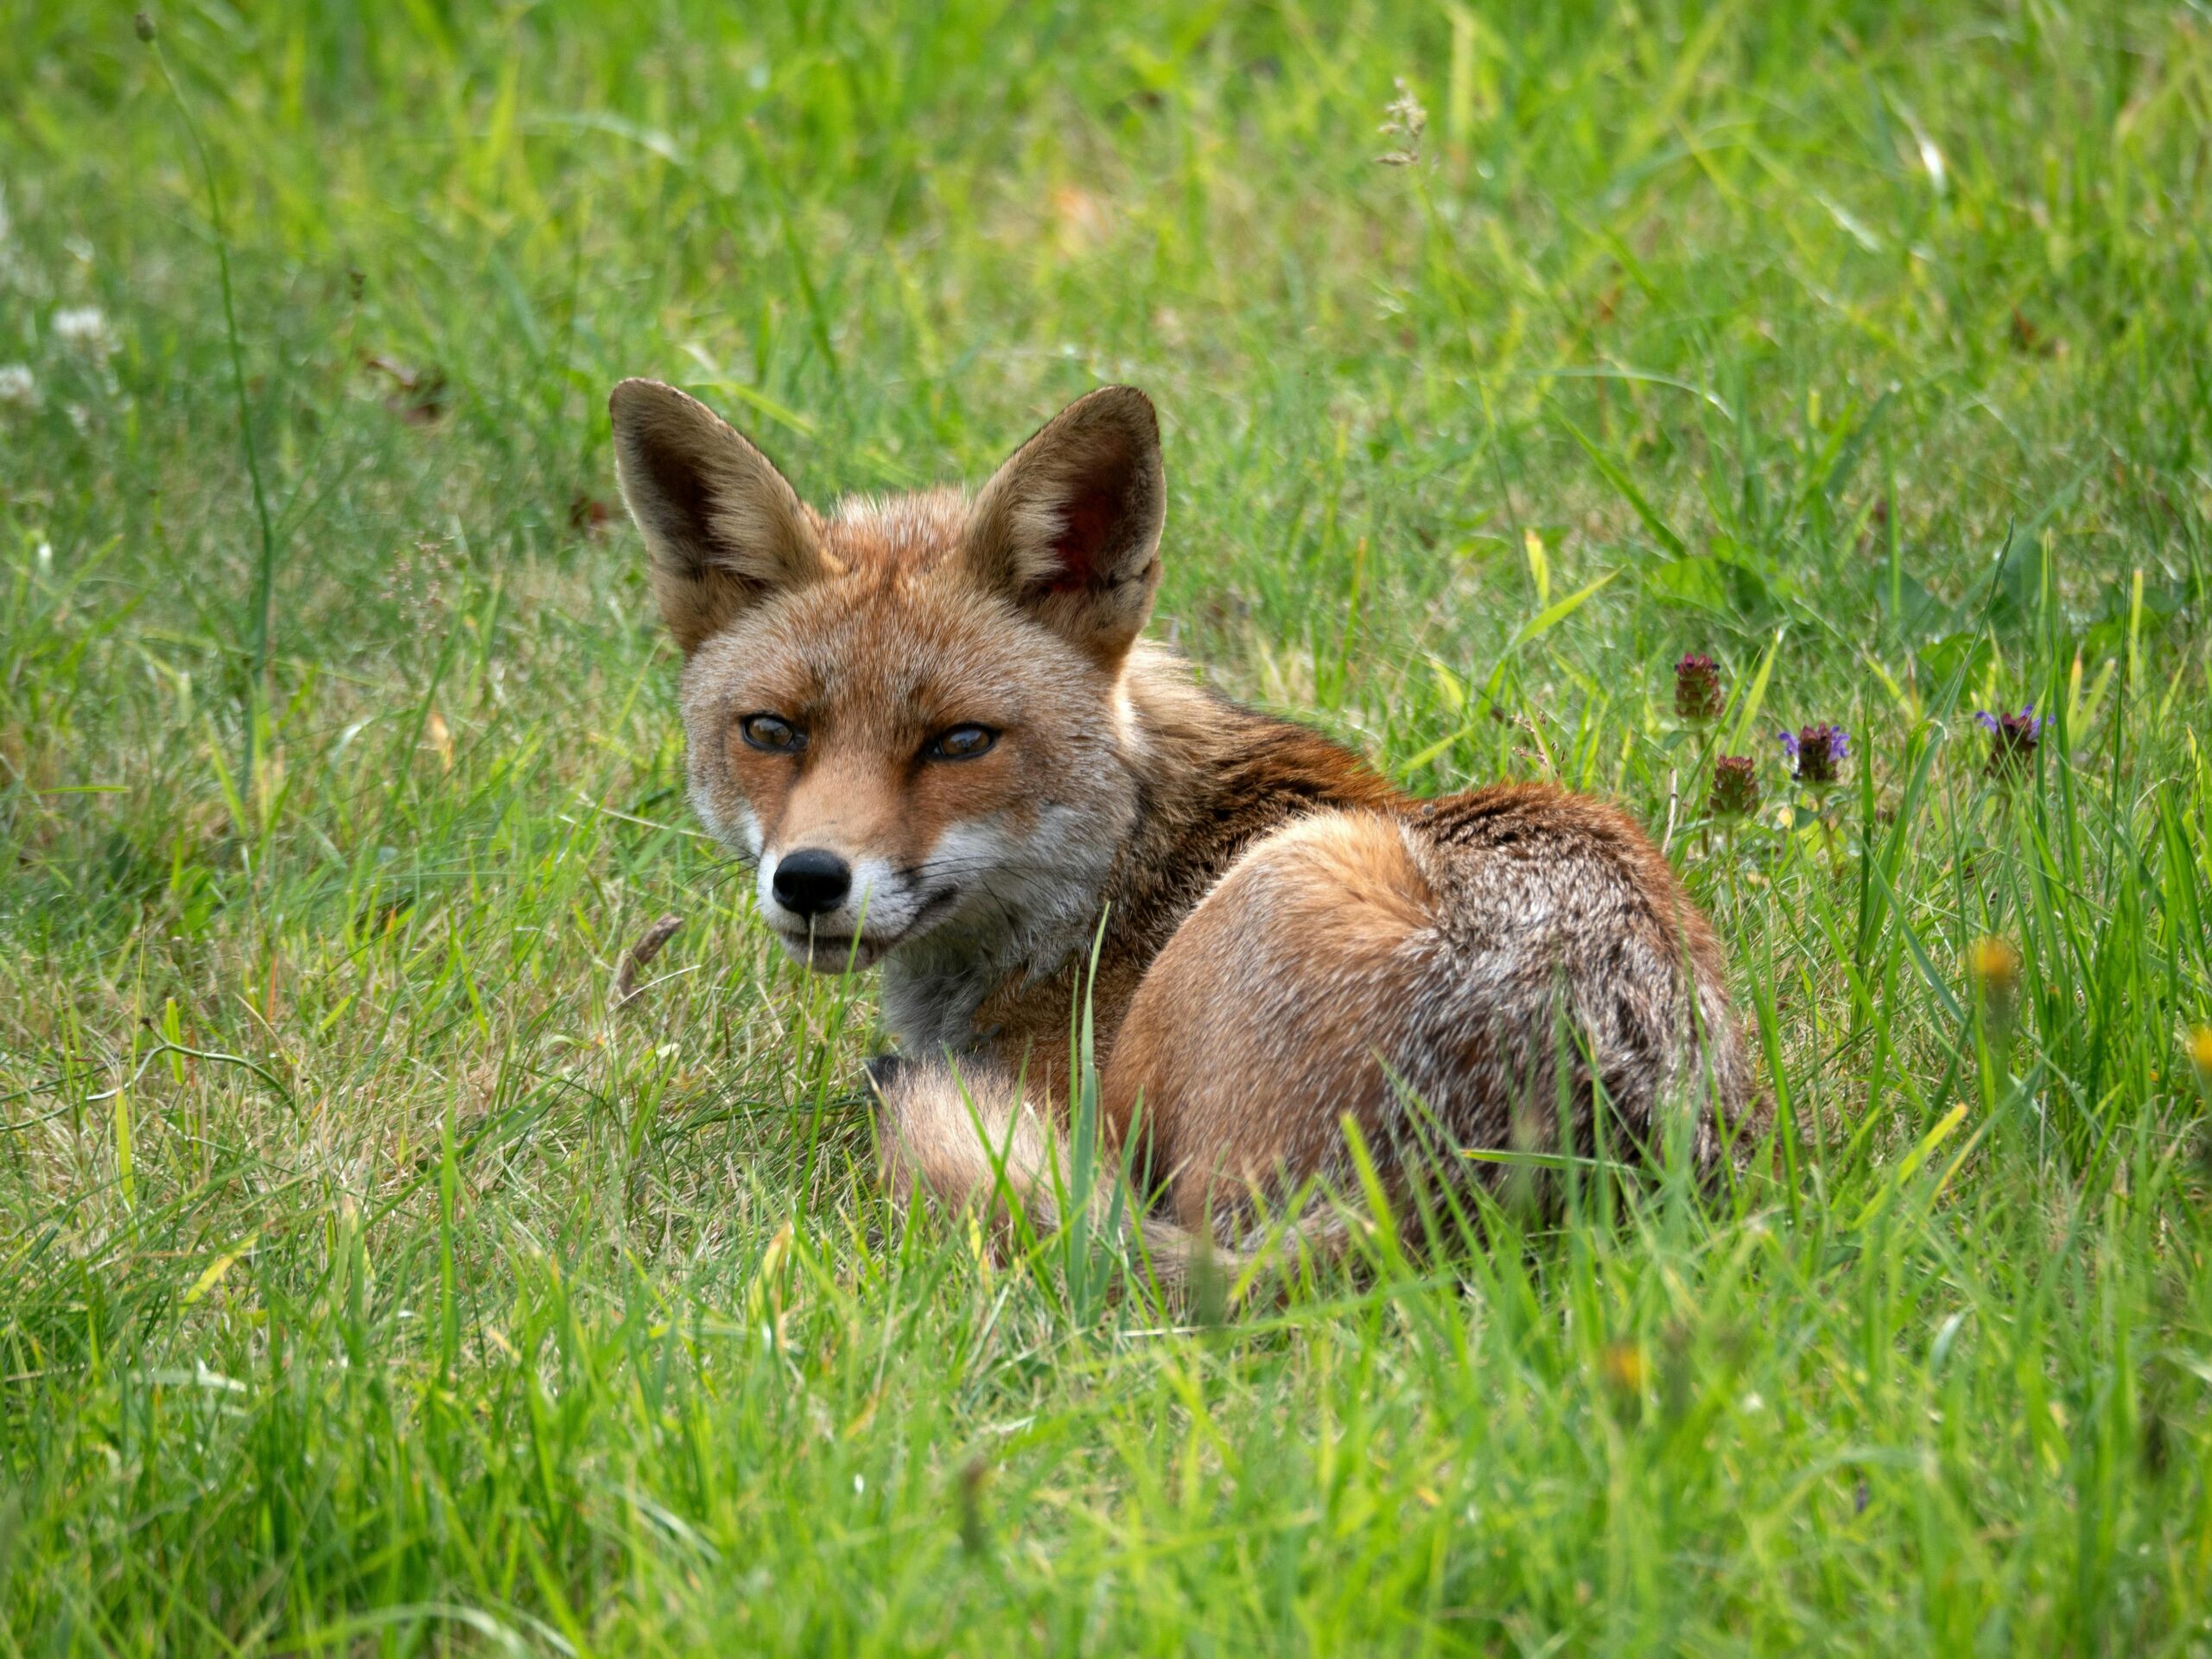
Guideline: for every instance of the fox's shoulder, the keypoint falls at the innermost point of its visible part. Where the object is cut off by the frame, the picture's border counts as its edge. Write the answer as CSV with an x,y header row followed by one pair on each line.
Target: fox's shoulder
x,y
1212,777
1512,813
1236,756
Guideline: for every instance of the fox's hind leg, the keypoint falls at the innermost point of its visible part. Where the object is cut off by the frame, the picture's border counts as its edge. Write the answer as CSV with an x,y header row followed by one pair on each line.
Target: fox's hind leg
x,y
1260,1025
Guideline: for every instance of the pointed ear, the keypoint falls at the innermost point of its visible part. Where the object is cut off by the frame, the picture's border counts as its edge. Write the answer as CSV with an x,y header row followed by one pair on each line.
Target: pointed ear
x,y
1069,529
724,528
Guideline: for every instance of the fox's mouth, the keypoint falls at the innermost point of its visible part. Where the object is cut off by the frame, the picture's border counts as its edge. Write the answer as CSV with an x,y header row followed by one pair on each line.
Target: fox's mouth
x,y
838,953
833,953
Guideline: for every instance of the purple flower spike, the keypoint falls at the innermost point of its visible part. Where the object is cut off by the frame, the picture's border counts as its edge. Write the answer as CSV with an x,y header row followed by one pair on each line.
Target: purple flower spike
x,y
1816,752
1697,688
2011,740
1735,786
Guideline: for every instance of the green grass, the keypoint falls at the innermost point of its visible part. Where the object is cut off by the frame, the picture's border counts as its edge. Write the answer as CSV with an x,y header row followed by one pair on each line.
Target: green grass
x,y
369,1282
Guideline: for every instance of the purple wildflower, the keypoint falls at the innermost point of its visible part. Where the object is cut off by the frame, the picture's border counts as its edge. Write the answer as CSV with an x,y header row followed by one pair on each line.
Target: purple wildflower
x,y
1735,787
1816,753
1697,688
2011,739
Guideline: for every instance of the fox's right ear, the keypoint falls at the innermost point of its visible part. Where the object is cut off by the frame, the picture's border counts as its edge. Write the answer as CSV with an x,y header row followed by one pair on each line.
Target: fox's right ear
x,y
723,527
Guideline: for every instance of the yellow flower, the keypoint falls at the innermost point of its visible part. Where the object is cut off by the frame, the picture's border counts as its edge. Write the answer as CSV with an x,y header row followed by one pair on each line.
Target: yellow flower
x,y
2200,1050
1621,1363
1994,964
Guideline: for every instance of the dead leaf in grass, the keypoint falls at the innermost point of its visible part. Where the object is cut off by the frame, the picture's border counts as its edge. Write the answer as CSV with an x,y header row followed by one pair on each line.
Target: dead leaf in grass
x,y
439,736
417,396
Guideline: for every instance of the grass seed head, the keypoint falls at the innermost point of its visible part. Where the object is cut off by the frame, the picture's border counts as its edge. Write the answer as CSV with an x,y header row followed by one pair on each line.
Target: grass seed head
x,y
975,1534
1406,121
640,957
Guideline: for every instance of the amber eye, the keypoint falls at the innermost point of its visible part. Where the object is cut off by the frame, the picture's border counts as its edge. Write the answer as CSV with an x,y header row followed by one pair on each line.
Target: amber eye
x,y
961,743
776,736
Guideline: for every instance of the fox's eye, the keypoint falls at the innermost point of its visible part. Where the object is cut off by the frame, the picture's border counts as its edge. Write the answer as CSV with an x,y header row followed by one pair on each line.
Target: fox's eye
x,y
777,736
961,743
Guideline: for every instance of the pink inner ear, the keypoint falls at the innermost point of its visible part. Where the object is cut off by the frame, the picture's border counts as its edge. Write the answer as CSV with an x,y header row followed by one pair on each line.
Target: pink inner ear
x,y
1087,525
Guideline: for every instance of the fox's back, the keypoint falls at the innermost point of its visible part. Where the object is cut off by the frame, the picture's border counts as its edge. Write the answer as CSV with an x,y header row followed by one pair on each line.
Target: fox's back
x,y
1529,887
1557,922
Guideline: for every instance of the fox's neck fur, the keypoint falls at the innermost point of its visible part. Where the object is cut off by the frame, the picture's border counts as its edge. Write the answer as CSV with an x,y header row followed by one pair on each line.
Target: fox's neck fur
x,y
1193,778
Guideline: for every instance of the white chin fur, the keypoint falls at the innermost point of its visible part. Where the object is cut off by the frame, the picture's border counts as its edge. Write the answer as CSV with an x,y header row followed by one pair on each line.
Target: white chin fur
x,y
881,906
977,869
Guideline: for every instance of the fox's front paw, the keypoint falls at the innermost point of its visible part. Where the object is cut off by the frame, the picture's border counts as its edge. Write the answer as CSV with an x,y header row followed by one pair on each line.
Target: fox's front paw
x,y
884,1071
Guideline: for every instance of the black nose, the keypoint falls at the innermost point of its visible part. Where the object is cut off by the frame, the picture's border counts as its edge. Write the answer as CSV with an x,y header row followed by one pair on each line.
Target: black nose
x,y
811,881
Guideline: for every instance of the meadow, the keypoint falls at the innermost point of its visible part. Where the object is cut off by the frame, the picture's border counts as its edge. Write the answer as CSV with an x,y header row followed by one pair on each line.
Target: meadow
x,y
384,1269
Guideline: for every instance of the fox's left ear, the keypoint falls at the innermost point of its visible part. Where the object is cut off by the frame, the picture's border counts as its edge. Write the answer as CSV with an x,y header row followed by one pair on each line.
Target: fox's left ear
x,y
1069,528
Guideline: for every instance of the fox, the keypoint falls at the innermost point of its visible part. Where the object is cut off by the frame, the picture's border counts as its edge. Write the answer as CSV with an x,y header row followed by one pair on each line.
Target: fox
x,y
930,725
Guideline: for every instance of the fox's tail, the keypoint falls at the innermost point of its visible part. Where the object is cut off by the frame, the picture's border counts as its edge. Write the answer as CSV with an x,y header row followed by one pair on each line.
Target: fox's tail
x,y
970,1138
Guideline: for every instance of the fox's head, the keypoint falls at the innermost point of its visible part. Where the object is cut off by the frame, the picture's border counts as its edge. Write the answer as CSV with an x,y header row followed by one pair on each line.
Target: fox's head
x,y
907,712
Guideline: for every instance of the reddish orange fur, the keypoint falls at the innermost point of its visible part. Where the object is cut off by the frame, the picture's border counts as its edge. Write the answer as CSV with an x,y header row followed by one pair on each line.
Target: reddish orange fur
x,y
1288,939
1311,928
